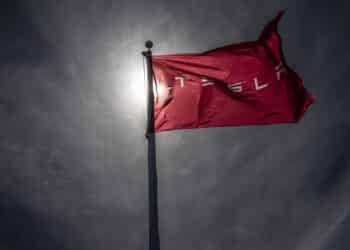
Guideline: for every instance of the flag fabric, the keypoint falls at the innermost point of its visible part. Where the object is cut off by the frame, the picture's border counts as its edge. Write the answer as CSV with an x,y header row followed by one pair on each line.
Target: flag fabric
x,y
247,83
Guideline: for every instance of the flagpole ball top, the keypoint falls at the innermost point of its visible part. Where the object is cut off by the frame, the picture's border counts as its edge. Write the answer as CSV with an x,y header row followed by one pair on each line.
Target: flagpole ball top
x,y
148,44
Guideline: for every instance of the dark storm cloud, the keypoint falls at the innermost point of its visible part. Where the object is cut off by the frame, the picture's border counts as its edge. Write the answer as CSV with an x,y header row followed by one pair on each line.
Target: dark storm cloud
x,y
20,41
72,148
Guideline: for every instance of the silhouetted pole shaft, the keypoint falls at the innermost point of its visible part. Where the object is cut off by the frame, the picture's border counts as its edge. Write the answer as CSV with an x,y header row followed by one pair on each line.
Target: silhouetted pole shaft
x,y
154,243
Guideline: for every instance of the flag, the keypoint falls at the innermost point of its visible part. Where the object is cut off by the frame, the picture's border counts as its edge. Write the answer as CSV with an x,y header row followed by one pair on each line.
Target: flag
x,y
248,83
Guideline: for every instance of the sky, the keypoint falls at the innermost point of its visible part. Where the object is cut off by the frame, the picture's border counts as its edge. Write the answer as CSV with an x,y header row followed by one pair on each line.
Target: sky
x,y
73,169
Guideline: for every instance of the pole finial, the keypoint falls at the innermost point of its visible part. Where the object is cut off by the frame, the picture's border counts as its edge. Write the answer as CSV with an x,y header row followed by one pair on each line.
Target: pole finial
x,y
149,44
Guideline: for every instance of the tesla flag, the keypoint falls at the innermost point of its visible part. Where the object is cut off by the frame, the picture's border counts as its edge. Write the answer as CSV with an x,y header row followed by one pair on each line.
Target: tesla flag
x,y
247,83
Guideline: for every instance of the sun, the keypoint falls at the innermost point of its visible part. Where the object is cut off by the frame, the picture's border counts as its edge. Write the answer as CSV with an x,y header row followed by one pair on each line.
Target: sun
x,y
137,89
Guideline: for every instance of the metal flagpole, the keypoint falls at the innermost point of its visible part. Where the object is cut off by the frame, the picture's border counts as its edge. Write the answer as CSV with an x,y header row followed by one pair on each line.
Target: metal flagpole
x,y
154,243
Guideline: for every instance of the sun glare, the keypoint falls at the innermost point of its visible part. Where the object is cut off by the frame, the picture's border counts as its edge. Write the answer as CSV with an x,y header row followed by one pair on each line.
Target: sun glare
x,y
138,88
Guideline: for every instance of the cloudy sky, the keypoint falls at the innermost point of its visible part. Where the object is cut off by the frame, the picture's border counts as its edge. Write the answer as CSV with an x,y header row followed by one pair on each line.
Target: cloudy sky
x,y
72,120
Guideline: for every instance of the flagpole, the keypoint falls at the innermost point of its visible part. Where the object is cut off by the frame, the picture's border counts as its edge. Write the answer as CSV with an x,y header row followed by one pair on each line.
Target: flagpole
x,y
154,243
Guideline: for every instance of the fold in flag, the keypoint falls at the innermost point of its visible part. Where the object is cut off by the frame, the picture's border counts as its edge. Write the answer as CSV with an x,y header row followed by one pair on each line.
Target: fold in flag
x,y
247,83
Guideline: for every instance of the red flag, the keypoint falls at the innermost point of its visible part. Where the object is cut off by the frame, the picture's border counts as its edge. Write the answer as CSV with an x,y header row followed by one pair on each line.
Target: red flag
x,y
241,84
